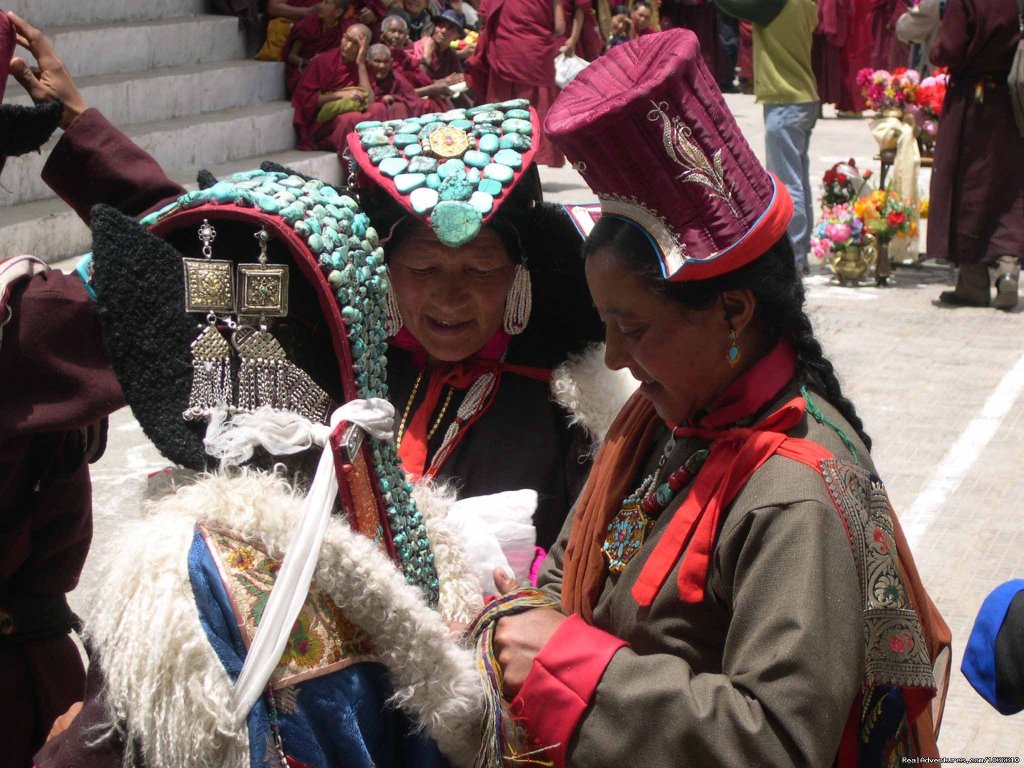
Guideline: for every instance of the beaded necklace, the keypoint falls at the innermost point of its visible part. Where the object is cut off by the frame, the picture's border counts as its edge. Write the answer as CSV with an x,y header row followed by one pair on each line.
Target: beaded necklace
x,y
634,520
408,408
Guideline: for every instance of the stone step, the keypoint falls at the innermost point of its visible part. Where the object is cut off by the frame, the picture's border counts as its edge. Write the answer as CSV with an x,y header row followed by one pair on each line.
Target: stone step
x,y
184,142
135,46
44,14
165,94
52,231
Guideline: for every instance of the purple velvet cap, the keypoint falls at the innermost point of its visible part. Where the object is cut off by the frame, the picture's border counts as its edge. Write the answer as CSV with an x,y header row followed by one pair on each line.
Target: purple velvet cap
x,y
648,129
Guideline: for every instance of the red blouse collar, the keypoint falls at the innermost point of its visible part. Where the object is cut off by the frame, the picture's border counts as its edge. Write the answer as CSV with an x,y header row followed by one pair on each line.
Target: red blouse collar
x,y
755,389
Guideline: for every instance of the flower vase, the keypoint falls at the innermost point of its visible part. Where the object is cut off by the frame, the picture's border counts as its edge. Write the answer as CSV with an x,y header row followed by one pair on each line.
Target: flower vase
x,y
883,262
849,265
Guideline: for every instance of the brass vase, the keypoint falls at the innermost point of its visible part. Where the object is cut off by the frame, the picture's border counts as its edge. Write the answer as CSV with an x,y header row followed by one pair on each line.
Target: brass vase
x,y
849,265
878,256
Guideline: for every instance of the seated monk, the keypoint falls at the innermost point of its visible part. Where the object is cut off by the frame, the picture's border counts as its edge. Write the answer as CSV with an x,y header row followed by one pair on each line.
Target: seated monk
x,y
280,16
641,15
335,76
316,33
435,55
392,92
420,20
394,33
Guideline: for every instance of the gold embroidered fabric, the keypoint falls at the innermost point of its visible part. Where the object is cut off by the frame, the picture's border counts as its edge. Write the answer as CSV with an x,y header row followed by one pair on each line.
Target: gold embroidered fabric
x,y
895,650
322,641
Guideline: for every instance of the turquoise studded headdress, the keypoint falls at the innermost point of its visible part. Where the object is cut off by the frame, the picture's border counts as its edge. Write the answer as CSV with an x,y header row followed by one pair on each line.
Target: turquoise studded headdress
x,y
337,296
453,170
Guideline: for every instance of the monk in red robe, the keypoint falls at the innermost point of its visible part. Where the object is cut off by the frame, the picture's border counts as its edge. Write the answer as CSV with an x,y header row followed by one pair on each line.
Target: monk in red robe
x,y
701,18
334,75
292,10
584,38
394,33
515,58
887,52
827,49
642,15
856,56
392,92
316,33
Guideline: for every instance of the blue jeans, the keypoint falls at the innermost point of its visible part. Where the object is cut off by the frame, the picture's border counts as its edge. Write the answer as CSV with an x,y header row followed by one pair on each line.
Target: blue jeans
x,y
787,138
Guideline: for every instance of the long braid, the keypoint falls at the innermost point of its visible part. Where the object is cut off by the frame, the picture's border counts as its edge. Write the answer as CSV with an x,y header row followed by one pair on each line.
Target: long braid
x,y
774,281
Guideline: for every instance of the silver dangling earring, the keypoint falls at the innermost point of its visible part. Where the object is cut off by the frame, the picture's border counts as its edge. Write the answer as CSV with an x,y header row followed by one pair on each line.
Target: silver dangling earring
x,y
209,288
519,302
392,315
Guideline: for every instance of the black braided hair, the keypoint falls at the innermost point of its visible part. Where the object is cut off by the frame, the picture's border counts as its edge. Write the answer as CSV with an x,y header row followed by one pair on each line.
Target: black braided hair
x,y
772,278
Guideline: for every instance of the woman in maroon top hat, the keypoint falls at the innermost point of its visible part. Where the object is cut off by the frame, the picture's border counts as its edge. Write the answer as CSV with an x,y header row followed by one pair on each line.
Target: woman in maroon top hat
x,y
732,588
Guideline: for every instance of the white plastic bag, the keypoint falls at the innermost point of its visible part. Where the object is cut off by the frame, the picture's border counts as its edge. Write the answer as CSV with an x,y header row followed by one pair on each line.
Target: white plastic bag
x,y
567,67
497,532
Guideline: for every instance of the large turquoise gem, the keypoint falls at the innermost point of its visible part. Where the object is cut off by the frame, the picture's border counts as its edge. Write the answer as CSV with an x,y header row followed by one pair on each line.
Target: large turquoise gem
x,y
515,104
413,150
489,117
482,201
490,143
409,126
404,139
376,154
474,111
500,173
517,125
490,186
462,125
509,157
423,200
515,141
422,164
407,182
451,167
374,139
456,187
433,181
453,114
455,222
522,114
393,166
473,174
486,129
477,159
222,192
366,125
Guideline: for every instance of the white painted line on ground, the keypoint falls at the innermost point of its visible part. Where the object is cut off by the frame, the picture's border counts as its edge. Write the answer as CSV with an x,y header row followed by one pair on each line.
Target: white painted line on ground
x,y
960,458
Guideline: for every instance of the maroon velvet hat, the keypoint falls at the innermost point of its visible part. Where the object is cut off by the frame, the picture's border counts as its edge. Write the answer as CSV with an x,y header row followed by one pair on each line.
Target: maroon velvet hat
x,y
647,127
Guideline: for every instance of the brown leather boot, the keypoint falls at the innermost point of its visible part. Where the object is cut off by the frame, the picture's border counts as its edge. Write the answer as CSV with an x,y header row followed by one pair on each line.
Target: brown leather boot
x,y
972,287
1007,280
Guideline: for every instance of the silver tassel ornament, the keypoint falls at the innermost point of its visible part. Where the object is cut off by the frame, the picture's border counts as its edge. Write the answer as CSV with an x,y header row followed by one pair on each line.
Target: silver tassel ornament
x,y
211,374
267,378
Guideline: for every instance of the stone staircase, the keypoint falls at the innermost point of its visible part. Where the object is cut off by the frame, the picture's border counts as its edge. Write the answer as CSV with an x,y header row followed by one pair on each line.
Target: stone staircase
x,y
174,79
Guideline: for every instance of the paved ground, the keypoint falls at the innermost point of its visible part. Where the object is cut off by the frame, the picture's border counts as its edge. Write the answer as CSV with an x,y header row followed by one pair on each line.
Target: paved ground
x,y
940,391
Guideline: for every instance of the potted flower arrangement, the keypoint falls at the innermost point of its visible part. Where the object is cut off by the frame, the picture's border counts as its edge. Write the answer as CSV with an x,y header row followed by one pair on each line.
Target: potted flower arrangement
x,y
885,215
931,93
843,183
838,238
889,91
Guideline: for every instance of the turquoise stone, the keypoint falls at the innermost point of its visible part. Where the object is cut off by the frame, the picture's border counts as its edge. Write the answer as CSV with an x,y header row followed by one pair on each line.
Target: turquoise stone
x,y
349,203
392,166
482,201
477,159
490,143
404,139
293,213
429,128
489,117
456,187
376,154
509,157
734,353
413,150
500,173
517,125
302,229
485,130
515,141
462,125
373,139
222,192
433,181
454,114
393,123
409,126
423,199
455,222
522,114
293,181
316,244
474,111
451,167
473,174
490,186
422,164
246,175
367,125
515,104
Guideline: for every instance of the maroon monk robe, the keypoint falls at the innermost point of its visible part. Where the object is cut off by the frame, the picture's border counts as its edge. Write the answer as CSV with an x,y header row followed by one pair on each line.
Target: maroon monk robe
x,y
442,64
745,60
856,55
827,49
977,187
327,72
313,38
887,52
701,18
406,103
55,381
515,58
405,62
589,45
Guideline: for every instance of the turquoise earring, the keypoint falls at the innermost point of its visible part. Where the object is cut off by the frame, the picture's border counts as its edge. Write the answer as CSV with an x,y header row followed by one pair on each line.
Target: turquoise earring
x,y
733,353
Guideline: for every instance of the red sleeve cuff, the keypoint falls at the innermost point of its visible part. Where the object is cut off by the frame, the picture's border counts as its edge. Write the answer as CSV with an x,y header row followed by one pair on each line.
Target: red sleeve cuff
x,y
561,683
